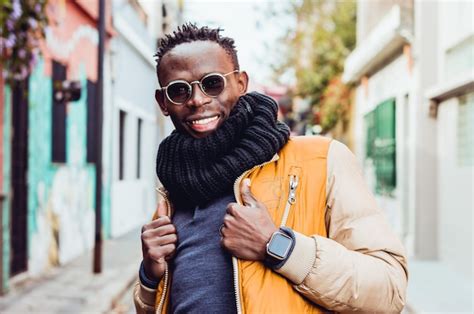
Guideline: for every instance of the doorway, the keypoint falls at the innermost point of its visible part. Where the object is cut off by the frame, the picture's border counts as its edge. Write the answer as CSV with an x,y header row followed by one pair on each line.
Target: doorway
x,y
19,164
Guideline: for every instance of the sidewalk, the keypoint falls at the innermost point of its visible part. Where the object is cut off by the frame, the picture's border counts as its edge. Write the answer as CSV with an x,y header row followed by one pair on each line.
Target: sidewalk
x,y
436,287
73,288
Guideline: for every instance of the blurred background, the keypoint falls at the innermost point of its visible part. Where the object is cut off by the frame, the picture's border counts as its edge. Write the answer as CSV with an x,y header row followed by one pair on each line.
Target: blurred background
x,y
392,79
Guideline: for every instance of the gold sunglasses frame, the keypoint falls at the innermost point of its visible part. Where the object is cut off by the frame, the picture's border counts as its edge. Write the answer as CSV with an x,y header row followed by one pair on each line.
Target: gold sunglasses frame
x,y
190,84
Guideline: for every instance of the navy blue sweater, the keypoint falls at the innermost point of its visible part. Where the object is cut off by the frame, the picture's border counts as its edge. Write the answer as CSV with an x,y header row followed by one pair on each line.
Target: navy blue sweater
x,y
202,269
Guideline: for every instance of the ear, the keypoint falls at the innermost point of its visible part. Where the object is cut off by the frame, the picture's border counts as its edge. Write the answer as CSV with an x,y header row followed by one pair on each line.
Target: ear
x,y
243,81
160,99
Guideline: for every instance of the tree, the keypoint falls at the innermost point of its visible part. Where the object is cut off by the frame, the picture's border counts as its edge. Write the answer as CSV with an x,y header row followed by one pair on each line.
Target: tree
x,y
316,50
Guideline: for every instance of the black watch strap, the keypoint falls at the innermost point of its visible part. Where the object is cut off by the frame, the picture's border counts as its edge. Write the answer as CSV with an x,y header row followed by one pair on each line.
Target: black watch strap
x,y
276,263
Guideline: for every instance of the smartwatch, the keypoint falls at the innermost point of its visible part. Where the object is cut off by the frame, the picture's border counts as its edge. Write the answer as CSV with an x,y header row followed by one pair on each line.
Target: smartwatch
x,y
279,247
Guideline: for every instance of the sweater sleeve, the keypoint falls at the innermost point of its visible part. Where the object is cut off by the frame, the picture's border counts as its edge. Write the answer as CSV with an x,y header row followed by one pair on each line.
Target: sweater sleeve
x,y
361,266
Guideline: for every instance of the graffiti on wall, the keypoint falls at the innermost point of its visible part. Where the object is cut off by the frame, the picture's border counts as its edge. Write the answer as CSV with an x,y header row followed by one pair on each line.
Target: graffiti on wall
x,y
61,195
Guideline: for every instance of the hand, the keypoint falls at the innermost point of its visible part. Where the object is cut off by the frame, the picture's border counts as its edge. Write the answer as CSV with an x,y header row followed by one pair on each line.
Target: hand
x,y
247,229
158,244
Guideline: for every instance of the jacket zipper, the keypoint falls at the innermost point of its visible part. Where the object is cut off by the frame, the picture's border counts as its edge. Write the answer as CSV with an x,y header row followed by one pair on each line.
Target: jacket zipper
x,y
161,190
234,259
235,264
291,199
163,295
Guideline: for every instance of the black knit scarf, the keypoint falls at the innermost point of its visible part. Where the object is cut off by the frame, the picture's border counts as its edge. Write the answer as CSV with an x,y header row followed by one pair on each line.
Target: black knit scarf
x,y
196,171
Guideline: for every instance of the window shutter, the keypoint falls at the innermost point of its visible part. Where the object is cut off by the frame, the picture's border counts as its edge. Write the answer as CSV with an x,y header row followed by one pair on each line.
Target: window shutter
x,y
384,147
59,116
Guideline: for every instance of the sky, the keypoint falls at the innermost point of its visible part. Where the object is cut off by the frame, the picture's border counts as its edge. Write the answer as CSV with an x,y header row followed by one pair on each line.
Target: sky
x,y
254,30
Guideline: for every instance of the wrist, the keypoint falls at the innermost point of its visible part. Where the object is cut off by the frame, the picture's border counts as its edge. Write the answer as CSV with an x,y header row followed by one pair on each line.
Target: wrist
x,y
279,248
302,259
147,280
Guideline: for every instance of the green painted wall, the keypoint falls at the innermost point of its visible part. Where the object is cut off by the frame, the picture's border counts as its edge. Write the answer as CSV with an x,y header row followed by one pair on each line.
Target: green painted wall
x,y
76,151
40,168
42,171
44,177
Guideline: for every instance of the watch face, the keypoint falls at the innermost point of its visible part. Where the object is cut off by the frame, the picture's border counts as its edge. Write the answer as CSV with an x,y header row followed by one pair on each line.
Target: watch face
x,y
279,245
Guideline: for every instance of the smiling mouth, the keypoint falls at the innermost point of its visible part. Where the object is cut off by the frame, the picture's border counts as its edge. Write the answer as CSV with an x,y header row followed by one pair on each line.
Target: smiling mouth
x,y
205,124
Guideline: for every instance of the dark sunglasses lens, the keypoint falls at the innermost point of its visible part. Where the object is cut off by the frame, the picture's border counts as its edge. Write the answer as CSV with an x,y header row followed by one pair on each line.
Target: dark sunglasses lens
x,y
213,85
179,92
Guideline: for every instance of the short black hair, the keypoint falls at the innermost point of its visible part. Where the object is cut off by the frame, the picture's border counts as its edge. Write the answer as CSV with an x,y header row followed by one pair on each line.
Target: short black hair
x,y
189,32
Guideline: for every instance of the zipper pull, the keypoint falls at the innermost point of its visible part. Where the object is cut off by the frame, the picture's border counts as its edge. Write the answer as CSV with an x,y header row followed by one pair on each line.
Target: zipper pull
x,y
293,185
291,199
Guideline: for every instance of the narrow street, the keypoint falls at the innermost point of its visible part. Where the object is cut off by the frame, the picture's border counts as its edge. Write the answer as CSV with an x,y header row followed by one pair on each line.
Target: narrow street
x,y
124,303
75,289
92,122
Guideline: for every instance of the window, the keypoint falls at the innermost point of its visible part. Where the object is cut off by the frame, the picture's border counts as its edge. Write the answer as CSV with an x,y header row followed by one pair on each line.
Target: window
x,y
380,145
139,146
460,59
59,114
122,121
465,131
370,132
19,182
91,132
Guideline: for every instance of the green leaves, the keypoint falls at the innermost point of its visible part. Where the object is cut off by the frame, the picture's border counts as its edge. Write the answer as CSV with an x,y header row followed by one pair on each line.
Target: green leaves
x,y
22,25
316,50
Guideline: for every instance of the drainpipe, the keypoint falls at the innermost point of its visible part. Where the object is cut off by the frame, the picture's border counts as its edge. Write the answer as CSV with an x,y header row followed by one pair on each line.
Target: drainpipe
x,y
97,267
2,196
3,289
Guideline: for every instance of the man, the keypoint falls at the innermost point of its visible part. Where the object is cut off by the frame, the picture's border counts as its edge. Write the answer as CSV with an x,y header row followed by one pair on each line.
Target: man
x,y
253,221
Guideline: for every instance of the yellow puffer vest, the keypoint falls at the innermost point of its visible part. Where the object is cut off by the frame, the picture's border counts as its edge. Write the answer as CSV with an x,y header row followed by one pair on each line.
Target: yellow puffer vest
x,y
293,188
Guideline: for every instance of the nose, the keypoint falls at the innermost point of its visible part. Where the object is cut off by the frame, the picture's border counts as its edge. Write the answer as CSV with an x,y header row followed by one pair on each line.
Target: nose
x,y
198,98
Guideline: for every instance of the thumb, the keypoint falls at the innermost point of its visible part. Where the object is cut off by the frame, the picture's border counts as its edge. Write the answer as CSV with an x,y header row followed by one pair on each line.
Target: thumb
x,y
247,197
162,209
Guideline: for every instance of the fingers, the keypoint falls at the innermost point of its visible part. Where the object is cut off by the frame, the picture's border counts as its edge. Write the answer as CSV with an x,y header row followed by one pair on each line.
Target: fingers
x,y
160,253
162,209
163,240
233,209
163,230
228,220
247,197
162,221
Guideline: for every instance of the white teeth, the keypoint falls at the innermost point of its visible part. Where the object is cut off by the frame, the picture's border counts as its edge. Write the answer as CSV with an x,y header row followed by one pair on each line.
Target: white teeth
x,y
204,121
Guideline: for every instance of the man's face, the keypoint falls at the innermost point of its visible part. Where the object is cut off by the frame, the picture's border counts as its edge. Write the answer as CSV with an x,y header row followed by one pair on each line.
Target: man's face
x,y
200,115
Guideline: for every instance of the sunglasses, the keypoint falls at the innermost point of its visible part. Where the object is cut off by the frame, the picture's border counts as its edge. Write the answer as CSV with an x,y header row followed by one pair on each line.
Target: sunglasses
x,y
213,84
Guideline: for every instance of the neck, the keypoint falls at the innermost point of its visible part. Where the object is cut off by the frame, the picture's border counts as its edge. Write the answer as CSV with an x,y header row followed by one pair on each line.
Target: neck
x,y
196,171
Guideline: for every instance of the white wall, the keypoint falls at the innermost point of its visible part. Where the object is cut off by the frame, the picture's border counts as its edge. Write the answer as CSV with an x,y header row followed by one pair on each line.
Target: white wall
x,y
133,199
455,198
455,183
455,25
425,127
391,81
434,194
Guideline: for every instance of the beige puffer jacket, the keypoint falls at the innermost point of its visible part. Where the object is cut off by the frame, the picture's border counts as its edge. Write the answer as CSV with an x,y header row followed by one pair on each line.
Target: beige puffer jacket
x,y
360,266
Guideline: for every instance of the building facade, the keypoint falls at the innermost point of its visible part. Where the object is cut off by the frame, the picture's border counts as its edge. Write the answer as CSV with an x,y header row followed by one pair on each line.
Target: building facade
x,y
48,148
135,125
413,68
49,171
